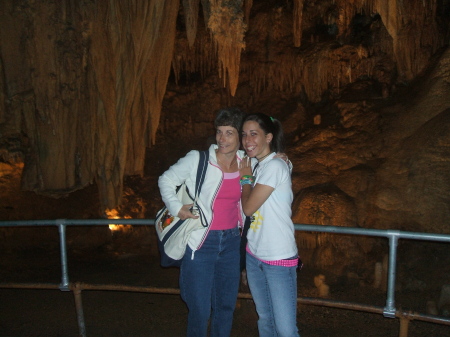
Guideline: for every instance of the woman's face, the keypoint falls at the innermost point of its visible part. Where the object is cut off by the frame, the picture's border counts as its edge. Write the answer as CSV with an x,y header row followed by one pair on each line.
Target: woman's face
x,y
256,143
227,138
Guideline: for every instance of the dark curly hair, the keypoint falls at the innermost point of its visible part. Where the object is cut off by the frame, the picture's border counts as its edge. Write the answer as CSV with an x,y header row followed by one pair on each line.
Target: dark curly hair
x,y
231,116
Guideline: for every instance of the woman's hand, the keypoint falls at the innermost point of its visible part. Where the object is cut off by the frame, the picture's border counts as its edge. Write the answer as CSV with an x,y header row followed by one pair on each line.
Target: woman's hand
x,y
283,156
245,166
185,212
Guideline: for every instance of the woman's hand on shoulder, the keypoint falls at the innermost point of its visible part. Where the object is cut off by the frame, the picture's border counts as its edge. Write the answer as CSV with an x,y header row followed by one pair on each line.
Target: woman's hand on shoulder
x,y
283,156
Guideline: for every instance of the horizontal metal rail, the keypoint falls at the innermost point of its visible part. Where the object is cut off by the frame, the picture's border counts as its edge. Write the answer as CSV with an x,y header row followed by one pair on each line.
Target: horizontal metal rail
x,y
388,311
393,236
76,222
176,291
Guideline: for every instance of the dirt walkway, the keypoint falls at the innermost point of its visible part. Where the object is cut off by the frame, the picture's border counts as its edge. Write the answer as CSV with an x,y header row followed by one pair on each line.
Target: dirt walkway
x,y
51,313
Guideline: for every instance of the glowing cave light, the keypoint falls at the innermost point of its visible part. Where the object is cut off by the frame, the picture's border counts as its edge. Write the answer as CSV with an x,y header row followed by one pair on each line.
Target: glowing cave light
x,y
114,214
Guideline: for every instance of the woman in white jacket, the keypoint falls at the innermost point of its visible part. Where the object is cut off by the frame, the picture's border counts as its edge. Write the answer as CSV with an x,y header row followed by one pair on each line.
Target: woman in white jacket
x,y
210,272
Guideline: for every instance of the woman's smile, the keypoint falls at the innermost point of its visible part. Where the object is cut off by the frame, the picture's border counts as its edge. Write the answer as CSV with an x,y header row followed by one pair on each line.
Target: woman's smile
x,y
255,141
227,138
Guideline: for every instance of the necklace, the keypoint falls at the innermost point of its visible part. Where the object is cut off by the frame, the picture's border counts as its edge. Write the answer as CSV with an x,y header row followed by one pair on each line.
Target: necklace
x,y
262,158
231,165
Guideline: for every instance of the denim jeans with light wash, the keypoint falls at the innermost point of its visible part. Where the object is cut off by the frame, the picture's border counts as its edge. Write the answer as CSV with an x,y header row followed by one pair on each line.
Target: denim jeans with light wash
x,y
274,291
209,283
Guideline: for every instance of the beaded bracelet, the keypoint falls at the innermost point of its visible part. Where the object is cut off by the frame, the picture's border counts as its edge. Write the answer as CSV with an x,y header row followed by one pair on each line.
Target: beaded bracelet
x,y
252,178
247,180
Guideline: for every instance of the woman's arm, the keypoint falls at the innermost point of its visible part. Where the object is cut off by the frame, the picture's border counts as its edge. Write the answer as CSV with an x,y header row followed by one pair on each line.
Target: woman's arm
x,y
252,198
173,177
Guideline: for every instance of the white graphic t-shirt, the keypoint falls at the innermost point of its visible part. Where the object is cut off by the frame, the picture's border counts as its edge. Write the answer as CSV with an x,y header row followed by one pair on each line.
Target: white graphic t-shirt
x,y
271,234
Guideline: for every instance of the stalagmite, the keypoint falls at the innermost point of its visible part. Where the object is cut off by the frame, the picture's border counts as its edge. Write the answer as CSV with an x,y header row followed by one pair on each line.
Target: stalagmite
x,y
322,287
307,240
317,119
431,308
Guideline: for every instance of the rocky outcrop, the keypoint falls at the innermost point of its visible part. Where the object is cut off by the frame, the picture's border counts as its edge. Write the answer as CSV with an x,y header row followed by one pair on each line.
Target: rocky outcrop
x,y
385,166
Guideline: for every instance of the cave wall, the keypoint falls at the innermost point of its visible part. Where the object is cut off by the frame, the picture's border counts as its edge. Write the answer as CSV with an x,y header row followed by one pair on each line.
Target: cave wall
x,y
383,165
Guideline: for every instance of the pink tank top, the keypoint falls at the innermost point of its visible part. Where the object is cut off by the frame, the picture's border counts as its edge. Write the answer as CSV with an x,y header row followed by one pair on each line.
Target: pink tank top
x,y
226,205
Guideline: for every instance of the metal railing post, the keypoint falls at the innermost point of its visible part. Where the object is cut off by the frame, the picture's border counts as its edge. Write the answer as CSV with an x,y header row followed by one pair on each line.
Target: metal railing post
x,y
79,306
64,286
389,309
404,325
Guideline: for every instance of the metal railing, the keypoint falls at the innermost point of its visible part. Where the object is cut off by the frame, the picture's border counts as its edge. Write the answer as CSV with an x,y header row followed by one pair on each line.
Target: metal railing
x,y
388,310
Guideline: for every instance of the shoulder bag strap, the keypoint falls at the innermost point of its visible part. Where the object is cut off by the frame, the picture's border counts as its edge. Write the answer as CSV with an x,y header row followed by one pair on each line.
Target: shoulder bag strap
x,y
247,223
201,172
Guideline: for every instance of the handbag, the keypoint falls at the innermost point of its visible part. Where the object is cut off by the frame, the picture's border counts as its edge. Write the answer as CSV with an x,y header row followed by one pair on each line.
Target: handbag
x,y
172,232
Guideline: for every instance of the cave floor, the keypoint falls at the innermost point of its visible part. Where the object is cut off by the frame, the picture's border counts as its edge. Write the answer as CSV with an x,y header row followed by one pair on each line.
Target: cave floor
x,y
50,313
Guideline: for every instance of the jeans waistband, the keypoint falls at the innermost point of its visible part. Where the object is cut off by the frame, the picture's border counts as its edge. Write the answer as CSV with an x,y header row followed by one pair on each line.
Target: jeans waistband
x,y
224,231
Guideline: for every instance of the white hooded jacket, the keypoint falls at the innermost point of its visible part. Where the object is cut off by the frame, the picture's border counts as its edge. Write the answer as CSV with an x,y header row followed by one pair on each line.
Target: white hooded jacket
x,y
185,171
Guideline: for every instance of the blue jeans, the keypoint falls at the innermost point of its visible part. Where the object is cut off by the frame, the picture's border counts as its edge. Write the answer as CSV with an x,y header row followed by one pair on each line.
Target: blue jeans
x,y
274,291
211,281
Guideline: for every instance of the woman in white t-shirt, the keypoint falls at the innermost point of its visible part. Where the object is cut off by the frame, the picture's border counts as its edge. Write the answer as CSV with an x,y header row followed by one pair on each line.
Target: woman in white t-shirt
x,y
272,256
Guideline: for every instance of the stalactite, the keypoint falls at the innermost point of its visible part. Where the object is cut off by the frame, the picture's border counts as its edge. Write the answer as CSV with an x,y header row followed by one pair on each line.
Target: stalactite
x,y
206,11
97,76
408,28
157,70
408,23
96,71
227,27
346,12
248,8
298,16
191,16
131,34
202,57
